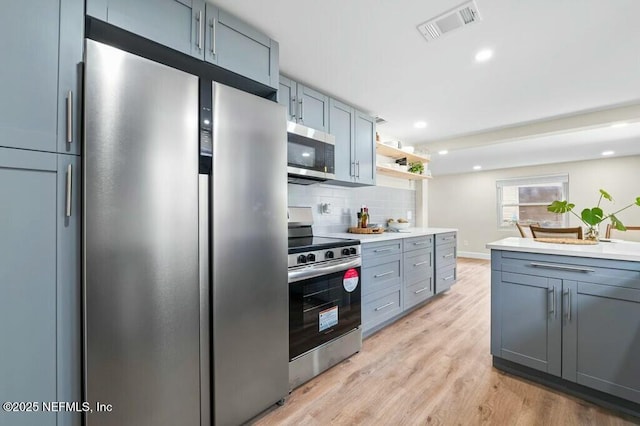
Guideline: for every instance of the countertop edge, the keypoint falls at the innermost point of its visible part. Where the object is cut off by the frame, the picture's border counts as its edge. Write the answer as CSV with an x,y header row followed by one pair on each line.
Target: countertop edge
x,y
388,236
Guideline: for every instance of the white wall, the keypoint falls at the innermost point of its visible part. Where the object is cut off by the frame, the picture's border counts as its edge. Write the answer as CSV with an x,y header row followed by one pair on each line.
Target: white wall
x,y
468,201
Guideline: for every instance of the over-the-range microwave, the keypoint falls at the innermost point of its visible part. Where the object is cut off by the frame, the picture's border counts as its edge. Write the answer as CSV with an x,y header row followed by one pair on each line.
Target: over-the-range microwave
x,y
310,155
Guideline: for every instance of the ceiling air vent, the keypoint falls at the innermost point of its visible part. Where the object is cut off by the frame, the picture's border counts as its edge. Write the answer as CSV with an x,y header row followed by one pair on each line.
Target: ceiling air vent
x,y
458,17
380,120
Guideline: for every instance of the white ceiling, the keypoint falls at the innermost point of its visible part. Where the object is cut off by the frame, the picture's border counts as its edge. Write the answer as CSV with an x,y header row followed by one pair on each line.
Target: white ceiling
x,y
552,58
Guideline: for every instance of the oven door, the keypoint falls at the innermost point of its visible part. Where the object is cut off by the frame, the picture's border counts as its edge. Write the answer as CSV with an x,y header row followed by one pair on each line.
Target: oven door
x,y
323,307
310,153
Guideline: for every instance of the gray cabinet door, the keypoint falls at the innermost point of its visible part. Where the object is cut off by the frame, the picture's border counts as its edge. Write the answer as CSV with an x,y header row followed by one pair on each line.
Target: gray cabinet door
x,y
313,108
236,46
68,320
601,338
529,318
178,24
27,282
29,33
70,76
365,148
342,126
287,96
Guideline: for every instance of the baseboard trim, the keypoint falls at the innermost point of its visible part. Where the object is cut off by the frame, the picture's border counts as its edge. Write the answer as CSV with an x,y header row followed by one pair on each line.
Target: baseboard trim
x,y
474,255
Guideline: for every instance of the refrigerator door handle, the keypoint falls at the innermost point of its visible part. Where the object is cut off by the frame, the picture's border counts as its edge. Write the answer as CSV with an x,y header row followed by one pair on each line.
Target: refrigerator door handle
x,y
205,315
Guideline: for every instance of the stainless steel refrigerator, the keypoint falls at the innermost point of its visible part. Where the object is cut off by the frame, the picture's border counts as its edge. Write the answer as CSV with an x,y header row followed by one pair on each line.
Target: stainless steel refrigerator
x,y
185,274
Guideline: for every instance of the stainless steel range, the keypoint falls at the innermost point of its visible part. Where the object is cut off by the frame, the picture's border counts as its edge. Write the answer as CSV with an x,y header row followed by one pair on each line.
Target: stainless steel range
x,y
324,299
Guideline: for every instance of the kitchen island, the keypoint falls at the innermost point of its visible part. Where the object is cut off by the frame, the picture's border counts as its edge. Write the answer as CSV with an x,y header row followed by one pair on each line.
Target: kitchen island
x,y
402,271
568,316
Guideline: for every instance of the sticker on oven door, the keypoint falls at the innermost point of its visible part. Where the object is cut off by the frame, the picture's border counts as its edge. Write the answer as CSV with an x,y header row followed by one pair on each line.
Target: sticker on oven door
x,y
328,318
350,280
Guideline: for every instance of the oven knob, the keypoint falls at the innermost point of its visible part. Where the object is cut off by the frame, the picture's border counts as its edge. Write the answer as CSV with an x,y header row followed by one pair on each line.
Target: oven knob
x,y
311,257
328,255
352,250
302,259
345,252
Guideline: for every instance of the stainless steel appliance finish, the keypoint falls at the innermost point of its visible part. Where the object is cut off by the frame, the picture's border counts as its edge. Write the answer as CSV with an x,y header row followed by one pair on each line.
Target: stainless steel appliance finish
x,y
324,277
249,255
141,272
314,362
315,168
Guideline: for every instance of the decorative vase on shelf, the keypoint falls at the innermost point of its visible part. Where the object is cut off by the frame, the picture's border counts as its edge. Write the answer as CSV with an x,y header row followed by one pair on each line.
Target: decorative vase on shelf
x,y
592,233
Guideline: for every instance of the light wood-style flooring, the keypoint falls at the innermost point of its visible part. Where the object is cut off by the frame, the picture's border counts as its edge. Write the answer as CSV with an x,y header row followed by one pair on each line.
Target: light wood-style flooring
x,y
434,367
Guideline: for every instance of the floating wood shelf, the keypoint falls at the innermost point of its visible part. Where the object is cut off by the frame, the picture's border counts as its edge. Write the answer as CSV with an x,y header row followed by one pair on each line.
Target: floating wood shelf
x,y
392,152
400,173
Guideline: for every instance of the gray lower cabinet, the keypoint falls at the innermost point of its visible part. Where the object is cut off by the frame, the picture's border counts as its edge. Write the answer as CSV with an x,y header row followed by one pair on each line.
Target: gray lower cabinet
x,y
355,145
198,29
573,318
397,275
39,77
445,261
39,283
304,104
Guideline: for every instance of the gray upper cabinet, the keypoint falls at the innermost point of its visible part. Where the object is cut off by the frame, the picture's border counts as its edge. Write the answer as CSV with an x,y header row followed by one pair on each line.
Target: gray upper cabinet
x,y
40,99
201,30
39,282
305,105
178,24
236,46
342,126
355,144
365,148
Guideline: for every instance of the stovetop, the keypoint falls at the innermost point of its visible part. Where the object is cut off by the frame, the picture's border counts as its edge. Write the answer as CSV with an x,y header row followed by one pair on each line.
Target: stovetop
x,y
302,244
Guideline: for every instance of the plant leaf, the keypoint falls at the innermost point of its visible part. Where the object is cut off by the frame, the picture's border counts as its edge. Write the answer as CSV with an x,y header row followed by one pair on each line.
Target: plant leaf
x,y
638,201
592,216
560,206
615,222
606,195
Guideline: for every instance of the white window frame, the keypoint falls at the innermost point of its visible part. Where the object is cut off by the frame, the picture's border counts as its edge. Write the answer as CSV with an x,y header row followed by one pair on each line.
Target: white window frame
x,y
531,180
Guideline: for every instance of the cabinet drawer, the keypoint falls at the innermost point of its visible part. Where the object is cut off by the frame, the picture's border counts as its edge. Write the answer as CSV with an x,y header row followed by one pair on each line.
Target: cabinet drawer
x,y
418,265
445,278
572,268
418,292
417,243
377,250
381,308
445,255
447,238
384,274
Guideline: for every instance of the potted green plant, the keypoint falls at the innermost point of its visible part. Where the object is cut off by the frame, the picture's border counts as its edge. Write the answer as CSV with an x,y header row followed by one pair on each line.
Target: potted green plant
x,y
594,216
416,167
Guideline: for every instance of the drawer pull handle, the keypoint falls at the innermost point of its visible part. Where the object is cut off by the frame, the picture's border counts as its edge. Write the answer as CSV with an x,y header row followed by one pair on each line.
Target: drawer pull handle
x,y
421,290
560,267
450,277
69,116
383,274
381,250
448,238
69,177
420,243
552,291
447,255
421,263
379,308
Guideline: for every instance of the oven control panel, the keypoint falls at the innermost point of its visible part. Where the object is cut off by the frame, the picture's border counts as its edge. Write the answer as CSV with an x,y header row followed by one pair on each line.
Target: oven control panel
x,y
323,255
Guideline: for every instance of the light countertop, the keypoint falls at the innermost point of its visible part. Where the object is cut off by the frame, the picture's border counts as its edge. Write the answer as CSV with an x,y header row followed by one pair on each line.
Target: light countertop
x,y
617,250
374,238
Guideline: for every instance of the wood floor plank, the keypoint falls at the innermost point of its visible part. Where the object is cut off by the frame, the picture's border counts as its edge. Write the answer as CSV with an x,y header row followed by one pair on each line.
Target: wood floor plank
x,y
433,367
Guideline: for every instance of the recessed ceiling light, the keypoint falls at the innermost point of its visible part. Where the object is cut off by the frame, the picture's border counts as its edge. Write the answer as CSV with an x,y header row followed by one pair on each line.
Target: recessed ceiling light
x,y
420,124
443,152
608,152
620,124
477,167
306,154
484,55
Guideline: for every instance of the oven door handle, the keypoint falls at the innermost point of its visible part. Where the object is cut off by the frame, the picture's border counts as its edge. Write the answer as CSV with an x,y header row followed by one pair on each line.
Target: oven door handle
x,y
316,271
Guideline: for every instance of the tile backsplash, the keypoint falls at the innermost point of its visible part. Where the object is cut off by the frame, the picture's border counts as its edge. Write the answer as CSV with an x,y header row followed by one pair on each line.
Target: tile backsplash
x,y
383,203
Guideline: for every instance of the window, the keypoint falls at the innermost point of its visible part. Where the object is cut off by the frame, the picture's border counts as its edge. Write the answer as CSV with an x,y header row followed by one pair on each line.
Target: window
x,y
525,200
